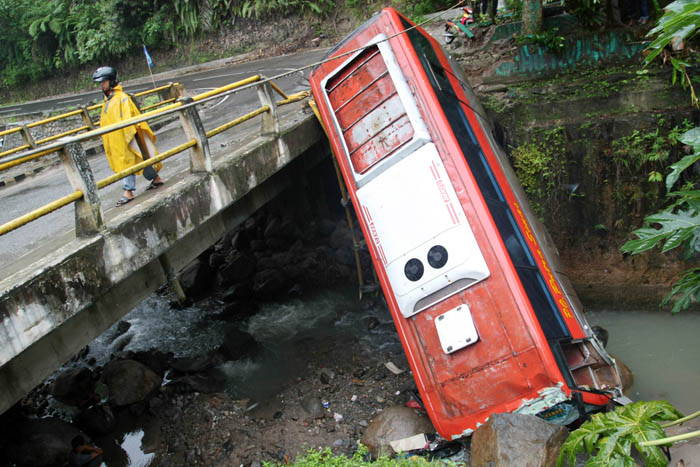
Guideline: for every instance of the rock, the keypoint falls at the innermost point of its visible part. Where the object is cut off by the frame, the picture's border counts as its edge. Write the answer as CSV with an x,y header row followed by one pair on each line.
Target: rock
x,y
239,266
372,322
194,364
392,424
602,334
97,420
312,405
237,310
237,344
345,256
121,328
129,381
43,442
209,382
238,291
75,387
196,278
341,237
507,437
687,452
326,375
326,227
155,359
269,284
216,259
626,375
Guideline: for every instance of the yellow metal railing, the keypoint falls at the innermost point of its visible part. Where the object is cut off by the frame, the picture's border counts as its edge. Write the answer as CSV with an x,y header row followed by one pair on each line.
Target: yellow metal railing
x,y
170,86
178,106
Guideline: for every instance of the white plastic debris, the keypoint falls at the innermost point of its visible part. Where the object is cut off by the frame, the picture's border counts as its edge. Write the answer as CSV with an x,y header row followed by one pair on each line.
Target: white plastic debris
x,y
409,444
337,417
393,368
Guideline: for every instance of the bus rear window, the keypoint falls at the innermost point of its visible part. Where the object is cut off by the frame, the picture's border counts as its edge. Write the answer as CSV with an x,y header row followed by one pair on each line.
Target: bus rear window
x,y
371,116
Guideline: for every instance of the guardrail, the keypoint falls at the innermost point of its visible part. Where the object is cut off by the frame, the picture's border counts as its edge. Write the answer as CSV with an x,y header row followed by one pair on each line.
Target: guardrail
x,y
168,93
88,210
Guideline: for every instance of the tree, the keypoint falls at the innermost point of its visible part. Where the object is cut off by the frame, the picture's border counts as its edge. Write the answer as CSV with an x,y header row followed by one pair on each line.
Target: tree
x,y
532,17
678,225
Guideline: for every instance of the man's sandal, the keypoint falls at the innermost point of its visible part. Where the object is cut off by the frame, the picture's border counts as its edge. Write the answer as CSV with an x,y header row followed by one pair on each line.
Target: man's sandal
x,y
154,185
123,200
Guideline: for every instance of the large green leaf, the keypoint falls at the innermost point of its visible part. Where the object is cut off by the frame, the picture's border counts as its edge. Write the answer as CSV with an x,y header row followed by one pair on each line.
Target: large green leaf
x,y
674,229
684,292
608,437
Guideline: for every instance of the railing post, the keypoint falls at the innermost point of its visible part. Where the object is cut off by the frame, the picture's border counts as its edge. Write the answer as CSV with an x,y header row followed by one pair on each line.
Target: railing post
x,y
270,124
28,138
176,91
86,117
88,210
200,156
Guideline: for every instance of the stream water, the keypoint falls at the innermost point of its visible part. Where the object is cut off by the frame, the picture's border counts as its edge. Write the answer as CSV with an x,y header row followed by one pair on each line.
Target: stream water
x,y
662,351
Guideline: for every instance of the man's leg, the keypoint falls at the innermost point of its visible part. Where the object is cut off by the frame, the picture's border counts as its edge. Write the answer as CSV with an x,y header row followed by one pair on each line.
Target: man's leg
x,y
129,186
150,173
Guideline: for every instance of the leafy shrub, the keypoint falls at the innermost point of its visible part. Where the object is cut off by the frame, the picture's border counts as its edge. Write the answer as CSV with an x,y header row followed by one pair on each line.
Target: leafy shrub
x,y
609,437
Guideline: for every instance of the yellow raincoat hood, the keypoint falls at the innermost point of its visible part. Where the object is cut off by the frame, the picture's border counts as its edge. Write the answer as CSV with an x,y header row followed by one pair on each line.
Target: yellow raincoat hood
x,y
119,145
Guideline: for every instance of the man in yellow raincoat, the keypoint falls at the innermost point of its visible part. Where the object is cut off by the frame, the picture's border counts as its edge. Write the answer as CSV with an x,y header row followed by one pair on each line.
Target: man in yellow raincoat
x,y
131,145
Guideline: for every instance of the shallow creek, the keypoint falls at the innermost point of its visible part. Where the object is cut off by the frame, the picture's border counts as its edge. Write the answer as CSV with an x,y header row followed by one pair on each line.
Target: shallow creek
x,y
662,351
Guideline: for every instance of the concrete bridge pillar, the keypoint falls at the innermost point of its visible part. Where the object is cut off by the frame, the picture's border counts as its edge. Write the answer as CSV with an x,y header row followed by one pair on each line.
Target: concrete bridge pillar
x,y
200,155
270,122
88,209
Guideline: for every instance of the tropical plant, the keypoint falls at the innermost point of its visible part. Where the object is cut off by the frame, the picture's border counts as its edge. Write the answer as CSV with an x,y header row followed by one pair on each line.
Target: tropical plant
x,y
680,22
609,437
589,13
679,224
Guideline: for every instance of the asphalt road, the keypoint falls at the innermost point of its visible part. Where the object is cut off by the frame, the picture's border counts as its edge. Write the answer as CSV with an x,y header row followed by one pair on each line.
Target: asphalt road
x,y
214,75
51,184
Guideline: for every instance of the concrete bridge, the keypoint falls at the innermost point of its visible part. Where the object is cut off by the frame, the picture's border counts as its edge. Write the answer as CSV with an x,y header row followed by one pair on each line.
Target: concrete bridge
x,y
58,300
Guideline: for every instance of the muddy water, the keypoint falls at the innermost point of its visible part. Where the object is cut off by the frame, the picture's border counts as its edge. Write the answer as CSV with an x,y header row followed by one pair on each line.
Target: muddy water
x,y
662,350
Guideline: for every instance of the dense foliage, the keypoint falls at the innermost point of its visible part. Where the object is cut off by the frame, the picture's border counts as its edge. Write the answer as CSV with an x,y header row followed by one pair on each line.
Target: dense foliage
x,y
41,37
679,224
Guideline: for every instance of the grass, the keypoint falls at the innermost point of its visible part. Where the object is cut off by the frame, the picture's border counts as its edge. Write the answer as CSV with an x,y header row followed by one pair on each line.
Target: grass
x,y
325,457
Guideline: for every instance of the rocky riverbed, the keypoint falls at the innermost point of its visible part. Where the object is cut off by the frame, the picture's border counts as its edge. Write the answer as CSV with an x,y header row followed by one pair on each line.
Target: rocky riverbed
x,y
334,368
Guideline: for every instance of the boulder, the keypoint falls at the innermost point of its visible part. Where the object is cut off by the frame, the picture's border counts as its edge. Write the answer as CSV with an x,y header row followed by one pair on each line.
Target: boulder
x,y
237,310
341,237
270,283
326,227
42,442
626,375
237,344
216,259
97,420
238,291
393,424
312,406
196,278
75,386
155,359
239,266
514,439
193,364
208,382
129,381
